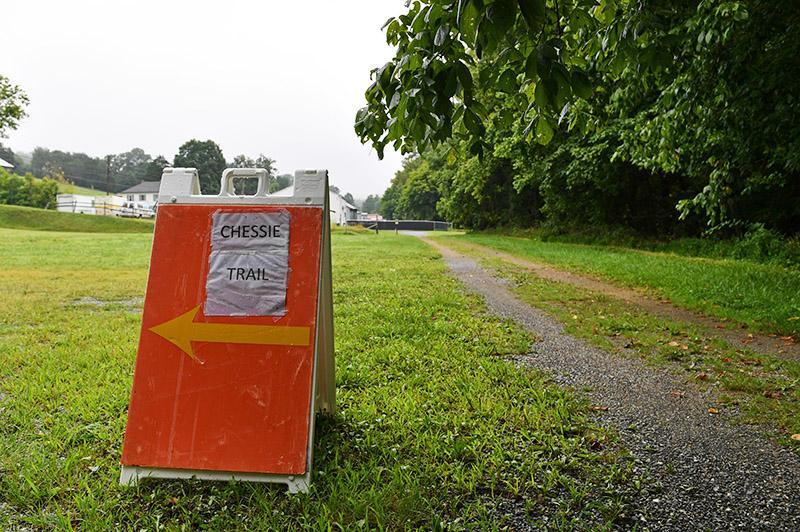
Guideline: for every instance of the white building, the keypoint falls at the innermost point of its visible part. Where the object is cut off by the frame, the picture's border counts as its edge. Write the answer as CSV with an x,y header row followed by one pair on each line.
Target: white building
x,y
340,210
145,193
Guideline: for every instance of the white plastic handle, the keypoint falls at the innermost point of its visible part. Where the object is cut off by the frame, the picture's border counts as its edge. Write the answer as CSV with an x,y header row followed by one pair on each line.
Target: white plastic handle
x,y
226,184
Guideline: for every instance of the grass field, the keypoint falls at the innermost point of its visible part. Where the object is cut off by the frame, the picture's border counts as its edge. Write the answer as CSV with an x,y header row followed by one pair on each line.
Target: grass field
x,y
15,217
765,297
436,427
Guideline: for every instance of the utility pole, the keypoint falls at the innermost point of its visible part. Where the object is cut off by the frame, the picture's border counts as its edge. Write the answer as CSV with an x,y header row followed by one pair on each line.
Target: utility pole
x,y
108,174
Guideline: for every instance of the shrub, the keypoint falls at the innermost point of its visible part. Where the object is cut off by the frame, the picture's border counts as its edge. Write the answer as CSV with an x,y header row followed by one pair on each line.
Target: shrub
x,y
27,190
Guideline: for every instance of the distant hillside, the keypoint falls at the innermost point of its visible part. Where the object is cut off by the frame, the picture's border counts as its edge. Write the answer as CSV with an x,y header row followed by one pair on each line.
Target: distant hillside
x,y
14,217
66,188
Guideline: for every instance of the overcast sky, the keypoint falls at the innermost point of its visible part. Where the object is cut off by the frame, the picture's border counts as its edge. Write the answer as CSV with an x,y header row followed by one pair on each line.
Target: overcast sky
x,y
283,78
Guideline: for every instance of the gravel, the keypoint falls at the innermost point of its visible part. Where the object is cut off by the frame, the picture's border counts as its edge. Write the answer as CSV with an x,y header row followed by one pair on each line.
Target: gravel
x,y
709,473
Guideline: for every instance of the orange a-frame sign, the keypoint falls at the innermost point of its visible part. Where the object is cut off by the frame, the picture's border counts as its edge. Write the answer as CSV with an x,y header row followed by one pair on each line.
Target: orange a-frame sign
x,y
236,346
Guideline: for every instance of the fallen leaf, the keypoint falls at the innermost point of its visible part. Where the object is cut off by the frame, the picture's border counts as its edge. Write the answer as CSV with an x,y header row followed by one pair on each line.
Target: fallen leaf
x,y
788,339
796,437
769,394
677,393
599,408
673,344
712,410
727,360
685,347
702,376
574,316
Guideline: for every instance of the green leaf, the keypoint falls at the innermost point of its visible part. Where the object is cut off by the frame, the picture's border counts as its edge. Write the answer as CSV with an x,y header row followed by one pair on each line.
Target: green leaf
x,y
476,148
361,115
452,156
434,13
564,112
505,118
447,82
544,133
541,97
418,24
533,11
581,85
470,17
472,122
561,84
545,56
395,100
385,77
532,65
502,16
465,79
507,81
441,35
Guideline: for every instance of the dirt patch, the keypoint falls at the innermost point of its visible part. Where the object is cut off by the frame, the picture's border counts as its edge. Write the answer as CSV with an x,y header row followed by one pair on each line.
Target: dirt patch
x,y
772,344
708,473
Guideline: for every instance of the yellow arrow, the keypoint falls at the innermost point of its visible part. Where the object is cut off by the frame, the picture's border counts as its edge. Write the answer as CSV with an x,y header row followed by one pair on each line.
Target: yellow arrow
x,y
183,330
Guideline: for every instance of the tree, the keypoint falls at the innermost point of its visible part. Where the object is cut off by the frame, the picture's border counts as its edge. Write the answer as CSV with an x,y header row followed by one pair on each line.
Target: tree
x,y
537,51
414,192
281,182
248,186
627,108
12,105
206,156
155,169
371,204
391,197
349,199
389,200
130,167
79,168
27,190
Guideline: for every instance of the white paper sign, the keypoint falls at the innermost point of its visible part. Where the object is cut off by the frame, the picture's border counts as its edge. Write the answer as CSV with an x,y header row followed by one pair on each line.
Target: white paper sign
x,y
249,264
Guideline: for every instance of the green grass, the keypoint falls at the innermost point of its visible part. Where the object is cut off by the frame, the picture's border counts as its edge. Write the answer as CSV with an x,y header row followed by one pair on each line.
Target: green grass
x,y
68,188
436,428
765,297
757,244
15,217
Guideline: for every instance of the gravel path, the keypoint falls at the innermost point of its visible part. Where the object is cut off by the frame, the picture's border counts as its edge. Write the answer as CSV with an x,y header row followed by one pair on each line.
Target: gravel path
x,y
713,475
783,347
